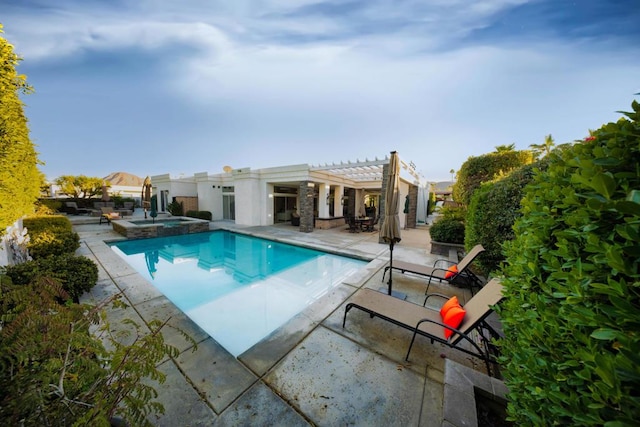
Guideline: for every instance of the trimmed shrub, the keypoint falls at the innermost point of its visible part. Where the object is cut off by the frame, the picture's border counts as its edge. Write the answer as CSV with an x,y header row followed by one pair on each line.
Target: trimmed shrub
x,y
200,214
447,230
38,224
76,274
571,350
487,167
494,208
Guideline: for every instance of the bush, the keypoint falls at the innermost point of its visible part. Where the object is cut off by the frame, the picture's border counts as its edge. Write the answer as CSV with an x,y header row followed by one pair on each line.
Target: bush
x,y
431,203
493,210
447,230
56,373
200,214
50,235
48,207
571,350
487,167
175,208
38,224
76,274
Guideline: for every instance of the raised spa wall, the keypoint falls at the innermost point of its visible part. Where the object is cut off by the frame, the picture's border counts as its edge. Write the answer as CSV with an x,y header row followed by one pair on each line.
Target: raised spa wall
x,y
157,229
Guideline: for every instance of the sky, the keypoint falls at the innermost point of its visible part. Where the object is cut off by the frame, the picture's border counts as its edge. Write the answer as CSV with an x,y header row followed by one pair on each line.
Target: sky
x,y
158,86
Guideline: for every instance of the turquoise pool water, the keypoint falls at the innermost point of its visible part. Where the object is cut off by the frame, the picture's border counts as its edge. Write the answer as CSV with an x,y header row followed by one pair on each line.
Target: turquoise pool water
x,y
237,288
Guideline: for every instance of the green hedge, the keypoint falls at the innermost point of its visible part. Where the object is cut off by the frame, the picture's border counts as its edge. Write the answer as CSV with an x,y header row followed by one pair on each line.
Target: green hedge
x,y
447,230
76,274
571,315
486,167
494,208
50,235
200,214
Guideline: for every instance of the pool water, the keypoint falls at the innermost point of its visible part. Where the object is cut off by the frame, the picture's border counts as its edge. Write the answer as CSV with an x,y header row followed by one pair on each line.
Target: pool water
x,y
237,288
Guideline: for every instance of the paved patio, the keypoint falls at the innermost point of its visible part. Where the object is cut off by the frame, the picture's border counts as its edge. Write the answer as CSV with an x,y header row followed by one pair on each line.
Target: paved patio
x,y
310,371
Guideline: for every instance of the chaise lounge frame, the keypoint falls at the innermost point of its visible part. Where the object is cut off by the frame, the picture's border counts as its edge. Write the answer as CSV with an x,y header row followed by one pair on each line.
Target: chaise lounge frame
x,y
464,276
427,322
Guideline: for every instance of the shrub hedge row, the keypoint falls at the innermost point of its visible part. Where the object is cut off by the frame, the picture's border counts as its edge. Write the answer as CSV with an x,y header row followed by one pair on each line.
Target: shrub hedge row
x,y
494,208
50,235
571,314
200,214
76,274
487,167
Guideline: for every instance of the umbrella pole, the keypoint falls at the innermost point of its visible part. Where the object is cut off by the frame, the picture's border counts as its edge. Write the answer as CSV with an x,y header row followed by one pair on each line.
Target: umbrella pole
x,y
390,266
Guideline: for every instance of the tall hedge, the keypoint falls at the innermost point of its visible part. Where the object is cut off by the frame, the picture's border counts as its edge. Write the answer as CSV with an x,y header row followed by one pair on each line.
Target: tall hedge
x,y
20,179
493,210
486,167
571,315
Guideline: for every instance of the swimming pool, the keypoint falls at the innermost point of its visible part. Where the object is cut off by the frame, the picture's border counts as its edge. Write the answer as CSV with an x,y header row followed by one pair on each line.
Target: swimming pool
x,y
237,288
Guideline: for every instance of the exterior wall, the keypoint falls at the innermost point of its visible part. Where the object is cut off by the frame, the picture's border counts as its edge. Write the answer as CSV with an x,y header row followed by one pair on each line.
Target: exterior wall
x,y
249,198
254,192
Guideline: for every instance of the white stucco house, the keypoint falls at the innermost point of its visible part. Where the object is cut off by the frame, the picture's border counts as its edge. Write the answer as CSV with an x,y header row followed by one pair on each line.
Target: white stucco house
x,y
269,196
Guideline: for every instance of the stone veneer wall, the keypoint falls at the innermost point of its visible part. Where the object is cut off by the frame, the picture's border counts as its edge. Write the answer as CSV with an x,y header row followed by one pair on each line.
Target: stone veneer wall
x,y
306,206
410,220
158,230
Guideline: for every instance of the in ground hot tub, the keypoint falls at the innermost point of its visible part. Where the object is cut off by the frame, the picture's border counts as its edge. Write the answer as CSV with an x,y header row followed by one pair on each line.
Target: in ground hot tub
x,y
147,228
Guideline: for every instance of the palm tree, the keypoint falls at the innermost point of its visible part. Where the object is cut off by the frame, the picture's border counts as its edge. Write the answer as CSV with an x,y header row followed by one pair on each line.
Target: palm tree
x,y
503,148
544,148
452,172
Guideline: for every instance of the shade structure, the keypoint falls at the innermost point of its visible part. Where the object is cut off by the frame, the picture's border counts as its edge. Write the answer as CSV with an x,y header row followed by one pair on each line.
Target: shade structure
x,y
146,195
390,229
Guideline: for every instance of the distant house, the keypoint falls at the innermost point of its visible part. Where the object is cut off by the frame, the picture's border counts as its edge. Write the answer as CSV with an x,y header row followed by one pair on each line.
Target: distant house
x,y
122,184
324,194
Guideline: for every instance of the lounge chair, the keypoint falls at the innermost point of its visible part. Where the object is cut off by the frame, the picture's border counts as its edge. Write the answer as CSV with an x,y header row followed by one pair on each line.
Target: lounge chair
x,y
72,208
108,214
428,322
462,275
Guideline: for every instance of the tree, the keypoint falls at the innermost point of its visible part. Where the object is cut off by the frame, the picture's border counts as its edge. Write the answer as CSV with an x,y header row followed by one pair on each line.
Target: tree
x,y
487,167
20,179
544,148
504,148
81,186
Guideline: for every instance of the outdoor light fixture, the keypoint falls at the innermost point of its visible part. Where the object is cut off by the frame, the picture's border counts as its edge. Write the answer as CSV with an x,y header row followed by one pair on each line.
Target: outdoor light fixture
x,y
328,199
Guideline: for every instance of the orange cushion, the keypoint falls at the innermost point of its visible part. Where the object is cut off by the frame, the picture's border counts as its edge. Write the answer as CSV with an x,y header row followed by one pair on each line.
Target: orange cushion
x,y
452,302
453,318
451,271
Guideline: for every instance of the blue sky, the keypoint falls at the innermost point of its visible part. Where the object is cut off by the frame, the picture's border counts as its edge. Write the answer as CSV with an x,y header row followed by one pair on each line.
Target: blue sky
x,y
159,86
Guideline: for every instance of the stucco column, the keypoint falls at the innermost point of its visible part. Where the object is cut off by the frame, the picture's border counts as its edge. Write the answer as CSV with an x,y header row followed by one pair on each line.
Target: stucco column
x,y
323,200
338,191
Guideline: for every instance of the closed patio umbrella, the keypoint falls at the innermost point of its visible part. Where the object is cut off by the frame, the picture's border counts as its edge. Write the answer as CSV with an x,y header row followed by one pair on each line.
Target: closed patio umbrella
x,y
146,195
105,193
390,229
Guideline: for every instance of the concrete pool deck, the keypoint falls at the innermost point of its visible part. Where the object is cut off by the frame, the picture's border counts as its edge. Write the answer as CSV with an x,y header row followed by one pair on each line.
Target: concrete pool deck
x,y
310,371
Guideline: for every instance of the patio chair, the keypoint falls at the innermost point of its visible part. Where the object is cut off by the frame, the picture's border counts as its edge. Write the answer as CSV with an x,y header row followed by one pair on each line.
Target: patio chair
x,y
429,323
456,274
371,224
108,214
353,224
